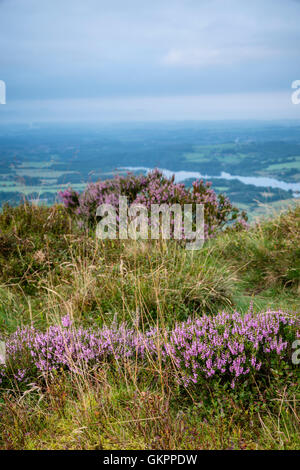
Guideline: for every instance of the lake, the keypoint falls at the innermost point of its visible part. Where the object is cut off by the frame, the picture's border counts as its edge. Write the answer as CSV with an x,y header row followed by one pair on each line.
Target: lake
x,y
259,181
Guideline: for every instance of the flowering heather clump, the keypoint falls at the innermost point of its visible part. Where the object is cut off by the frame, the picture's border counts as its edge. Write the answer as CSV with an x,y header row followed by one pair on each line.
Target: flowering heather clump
x,y
229,345
240,224
151,189
70,198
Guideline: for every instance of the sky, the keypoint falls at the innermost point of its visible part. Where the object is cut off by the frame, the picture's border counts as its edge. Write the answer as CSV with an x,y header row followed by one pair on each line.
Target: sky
x,y
81,60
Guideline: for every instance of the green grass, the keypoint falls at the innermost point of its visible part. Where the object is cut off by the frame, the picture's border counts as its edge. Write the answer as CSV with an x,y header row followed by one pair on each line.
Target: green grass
x,y
49,267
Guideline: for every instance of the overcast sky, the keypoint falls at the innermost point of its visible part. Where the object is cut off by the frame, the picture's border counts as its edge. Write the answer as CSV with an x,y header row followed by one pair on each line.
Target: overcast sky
x,y
149,59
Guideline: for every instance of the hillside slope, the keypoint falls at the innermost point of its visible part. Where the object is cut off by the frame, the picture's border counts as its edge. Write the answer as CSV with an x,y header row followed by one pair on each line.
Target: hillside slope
x,y
50,270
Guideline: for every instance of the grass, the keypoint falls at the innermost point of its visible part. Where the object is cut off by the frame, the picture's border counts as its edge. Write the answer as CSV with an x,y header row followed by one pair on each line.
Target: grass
x,y
50,268
115,412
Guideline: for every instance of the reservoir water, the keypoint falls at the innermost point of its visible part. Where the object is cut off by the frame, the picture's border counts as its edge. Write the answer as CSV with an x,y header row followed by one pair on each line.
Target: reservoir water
x,y
260,181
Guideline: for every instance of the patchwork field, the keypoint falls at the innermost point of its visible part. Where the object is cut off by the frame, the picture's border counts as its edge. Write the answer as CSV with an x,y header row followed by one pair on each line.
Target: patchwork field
x,y
37,163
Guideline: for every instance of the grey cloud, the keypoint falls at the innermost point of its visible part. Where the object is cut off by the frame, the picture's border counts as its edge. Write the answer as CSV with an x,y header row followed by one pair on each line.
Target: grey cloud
x,y
76,49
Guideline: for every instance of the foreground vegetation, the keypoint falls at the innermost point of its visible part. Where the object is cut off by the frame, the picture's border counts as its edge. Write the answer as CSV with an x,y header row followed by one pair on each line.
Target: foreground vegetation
x,y
51,271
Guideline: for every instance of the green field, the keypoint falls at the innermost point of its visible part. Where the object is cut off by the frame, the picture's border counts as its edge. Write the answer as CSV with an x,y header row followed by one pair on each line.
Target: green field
x,y
38,163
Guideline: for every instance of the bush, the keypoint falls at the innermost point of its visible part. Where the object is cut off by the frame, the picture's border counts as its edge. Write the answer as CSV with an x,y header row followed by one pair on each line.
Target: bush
x,y
151,189
229,346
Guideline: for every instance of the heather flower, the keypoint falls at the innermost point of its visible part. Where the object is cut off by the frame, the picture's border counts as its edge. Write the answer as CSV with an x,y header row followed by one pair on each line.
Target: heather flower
x,y
151,189
66,321
228,345
69,198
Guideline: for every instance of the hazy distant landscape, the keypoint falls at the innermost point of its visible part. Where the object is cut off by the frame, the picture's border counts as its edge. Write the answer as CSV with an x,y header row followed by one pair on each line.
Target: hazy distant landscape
x,y
38,161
